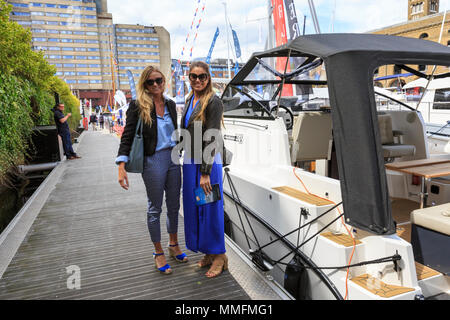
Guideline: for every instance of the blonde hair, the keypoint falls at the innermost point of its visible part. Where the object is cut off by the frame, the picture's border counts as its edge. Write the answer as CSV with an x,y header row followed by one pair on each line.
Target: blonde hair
x,y
207,93
144,99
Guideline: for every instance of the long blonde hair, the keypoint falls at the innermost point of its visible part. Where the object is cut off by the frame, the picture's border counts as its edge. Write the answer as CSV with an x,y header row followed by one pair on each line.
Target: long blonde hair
x,y
207,93
144,99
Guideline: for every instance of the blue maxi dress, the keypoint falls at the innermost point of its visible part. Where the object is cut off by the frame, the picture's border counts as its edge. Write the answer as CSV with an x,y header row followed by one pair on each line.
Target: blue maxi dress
x,y
203,225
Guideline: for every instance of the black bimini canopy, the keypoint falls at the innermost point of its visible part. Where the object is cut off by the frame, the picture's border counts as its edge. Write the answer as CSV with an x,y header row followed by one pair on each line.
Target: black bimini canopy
x,y
350,61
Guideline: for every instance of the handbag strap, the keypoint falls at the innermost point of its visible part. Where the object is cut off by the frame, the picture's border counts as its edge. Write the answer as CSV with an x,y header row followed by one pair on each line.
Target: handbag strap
x,y
139,127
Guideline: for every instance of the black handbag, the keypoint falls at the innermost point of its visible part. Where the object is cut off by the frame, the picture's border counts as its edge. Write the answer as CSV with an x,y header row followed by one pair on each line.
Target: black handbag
x,y
227,156
135,162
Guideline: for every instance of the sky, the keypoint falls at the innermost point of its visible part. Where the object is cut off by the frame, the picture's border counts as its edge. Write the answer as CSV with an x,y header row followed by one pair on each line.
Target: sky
x,y
249,19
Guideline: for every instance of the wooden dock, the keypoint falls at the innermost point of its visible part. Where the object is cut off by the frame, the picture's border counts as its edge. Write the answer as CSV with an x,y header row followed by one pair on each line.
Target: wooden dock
x,y
91,225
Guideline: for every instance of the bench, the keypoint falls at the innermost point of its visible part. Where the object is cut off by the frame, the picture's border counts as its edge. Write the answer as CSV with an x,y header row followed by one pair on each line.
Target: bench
x,y
430,237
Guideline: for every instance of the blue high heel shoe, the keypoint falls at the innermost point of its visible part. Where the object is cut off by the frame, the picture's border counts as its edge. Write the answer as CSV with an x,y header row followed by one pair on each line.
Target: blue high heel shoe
x,y
181,257
165,269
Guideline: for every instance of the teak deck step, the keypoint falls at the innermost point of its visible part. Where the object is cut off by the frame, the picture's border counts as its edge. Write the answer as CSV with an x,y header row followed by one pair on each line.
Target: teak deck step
x,y
310,198
424,272
342,239
378,287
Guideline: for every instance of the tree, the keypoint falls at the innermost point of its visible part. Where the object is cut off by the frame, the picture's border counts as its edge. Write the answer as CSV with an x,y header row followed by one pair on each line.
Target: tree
x,y
27,84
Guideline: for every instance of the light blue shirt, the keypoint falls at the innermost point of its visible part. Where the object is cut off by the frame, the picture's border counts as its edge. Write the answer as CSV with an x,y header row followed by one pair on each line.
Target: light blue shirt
x,y
165,129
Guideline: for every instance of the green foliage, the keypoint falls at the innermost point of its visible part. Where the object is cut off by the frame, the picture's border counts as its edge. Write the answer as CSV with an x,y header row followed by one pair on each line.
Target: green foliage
x,y
27,84
16,56
16,122
71,103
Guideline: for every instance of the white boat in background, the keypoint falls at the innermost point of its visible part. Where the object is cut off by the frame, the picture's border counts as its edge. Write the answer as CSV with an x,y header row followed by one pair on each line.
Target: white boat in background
x,y
333,230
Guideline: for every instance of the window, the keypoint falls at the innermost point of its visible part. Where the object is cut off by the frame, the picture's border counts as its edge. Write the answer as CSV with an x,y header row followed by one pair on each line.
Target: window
x,y
66,32
20,5
53,39
63,6
52,23
69,73
53,31
54,48
37,13
79,41
397,70
82,73
81,57
67,49
69,65
66,40
51,14
68,57
80,49
50,5
442,99
14,13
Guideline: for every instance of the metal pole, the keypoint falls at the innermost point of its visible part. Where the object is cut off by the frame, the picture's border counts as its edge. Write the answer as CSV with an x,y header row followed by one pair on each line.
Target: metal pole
x,y
228,41
314,16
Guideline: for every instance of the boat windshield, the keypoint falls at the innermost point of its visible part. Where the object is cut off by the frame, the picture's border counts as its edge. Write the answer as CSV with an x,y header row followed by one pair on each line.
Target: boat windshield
x,y
302,86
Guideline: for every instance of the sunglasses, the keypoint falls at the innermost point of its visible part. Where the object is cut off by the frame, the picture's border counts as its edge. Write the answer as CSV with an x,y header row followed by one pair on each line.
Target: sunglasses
x,y
202,77
150,82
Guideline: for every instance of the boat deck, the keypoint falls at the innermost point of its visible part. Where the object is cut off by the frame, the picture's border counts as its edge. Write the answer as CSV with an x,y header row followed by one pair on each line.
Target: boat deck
x,y
87,223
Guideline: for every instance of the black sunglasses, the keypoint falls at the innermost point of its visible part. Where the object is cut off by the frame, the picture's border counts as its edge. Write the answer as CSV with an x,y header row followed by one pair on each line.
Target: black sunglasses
x,y
150,82
201,77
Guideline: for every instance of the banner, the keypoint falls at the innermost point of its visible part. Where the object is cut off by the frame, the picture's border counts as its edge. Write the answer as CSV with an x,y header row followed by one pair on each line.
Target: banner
x,y
208,58
279,22
236,43
179,84
132,85
294,30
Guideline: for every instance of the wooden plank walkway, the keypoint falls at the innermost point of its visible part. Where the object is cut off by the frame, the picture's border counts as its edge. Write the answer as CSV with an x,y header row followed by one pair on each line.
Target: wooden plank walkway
x,y
88,221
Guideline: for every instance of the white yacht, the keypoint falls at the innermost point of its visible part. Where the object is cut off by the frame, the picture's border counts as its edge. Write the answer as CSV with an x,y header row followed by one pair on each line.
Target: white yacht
x,y
309,198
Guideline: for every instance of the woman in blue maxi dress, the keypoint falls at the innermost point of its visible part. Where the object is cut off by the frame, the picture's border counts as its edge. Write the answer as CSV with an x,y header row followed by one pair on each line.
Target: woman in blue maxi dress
x,y
204,225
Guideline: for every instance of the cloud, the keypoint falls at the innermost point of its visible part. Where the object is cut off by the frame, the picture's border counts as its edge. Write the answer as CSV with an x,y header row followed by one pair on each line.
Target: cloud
x,y
249,20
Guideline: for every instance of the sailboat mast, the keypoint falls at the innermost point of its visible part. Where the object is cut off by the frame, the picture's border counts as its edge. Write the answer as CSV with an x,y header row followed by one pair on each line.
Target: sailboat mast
x,y
112,74
228,41
314,16
270,37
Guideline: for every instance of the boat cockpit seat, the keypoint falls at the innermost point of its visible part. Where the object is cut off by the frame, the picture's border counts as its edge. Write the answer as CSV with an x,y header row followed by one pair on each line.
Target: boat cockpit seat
x,y
391,140
312,136
430,235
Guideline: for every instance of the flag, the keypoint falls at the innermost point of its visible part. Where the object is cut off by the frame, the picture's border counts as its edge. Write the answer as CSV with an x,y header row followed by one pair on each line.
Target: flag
x,y
281,38
236,43
208,58
132,85
179,85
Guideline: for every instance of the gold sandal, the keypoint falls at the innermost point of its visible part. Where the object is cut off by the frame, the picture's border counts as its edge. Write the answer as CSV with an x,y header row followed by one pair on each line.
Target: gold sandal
x,y
206,261
219,265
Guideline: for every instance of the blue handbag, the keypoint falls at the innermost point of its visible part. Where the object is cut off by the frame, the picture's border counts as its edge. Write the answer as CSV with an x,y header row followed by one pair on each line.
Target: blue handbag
x,y
135,162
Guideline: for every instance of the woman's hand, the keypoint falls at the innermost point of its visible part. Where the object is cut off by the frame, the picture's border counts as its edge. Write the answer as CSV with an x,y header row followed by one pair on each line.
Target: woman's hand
x,y
205,183
123,177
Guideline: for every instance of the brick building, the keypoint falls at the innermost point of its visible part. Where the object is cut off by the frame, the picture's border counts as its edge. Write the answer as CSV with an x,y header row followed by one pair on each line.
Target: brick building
x,y
424,22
